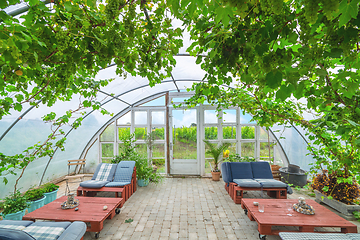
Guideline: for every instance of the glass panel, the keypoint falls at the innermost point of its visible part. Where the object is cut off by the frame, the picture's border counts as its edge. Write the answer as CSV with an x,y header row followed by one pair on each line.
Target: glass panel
x,y
245,118
264,150
141,149
248,132
156,102
229,116
158,133
160,164
211,133
121,148
264,134
229,132
124,133
158,117
140,133
177,100
108,134
107,150
247,149
158,151
106,160
125,120
141,117
232,150
210,116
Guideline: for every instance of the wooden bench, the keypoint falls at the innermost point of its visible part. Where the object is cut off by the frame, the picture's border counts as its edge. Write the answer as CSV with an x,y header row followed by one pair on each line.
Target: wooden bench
x,y
279,193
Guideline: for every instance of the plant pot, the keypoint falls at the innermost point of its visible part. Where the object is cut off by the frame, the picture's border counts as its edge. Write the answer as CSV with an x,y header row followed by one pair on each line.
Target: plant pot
x,y
293,168
36,204
215,176
50,196
345,210
297,179
143,182
15,216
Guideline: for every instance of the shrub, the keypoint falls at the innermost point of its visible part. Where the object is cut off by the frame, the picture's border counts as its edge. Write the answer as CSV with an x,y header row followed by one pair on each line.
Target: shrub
x,y
14,203
238,158
49,187
34,194
337,185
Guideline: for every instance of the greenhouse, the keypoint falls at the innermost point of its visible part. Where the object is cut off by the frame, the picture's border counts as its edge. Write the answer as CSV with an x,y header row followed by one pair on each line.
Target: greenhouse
x,y
175,91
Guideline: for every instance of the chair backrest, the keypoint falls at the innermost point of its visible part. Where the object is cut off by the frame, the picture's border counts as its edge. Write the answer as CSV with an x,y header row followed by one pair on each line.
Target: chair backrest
x,y
261,170
226,172
124,171
241,170
104,172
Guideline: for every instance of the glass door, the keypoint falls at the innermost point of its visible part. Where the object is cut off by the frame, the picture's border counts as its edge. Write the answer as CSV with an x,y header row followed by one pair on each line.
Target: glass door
x,y
184,142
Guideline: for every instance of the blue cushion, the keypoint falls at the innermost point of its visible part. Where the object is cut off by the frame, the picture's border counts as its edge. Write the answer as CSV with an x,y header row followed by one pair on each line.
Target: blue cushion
x,y
117,184
93,184
104,172
247,183
19,223
13,234
226,172
353,236
270,183
75,231
124,171
241,170
261,170
44,232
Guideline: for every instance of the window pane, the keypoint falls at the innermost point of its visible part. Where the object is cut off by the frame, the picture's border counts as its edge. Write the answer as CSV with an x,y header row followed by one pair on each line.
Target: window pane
x,y
106,160
245,118
158,133
248,132
125,120
124,133
107,150
210,116
158,150
231,148
264,150
156,102
184,142
248,149
158,117
264,134
211,133
229,116
141,149
141,117
140,133
108,134
229,132
160,164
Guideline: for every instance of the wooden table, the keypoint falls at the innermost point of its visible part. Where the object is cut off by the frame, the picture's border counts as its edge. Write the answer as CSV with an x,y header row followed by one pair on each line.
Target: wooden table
x,y
90,211
275,214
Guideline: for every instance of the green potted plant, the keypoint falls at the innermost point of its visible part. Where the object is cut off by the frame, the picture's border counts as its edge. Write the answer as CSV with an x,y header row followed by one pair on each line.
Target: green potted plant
x,y
50,191
14,206
35,198
144,172
216,150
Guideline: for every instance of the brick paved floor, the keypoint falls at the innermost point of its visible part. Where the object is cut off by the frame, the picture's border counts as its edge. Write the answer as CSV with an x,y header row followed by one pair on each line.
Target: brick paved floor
x,y
181,208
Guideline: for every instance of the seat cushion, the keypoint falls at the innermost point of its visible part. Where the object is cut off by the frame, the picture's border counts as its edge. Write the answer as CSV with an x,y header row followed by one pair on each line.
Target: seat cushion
x,y
271,183
117,184
44,232
241,170
261,170
75,231
93,184
226,172
13,234
247,183
15,224
313,236
353,236
104,172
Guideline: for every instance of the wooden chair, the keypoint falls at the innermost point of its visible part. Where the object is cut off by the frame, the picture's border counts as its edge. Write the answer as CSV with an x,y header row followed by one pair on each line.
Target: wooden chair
x,y
79,164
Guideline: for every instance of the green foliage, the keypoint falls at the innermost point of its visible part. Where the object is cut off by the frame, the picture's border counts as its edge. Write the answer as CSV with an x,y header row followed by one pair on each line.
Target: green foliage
x,y
49,187
126,149
357,215
238,158
216,151
34,194
14,203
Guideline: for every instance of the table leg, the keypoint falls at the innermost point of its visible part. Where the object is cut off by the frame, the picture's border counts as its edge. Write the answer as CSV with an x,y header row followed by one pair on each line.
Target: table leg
x,y
264,229
349,230
95,226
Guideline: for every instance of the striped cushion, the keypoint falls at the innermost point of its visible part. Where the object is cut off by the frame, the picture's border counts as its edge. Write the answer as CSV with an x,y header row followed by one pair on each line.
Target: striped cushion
x,y
16,227
44,232
104,172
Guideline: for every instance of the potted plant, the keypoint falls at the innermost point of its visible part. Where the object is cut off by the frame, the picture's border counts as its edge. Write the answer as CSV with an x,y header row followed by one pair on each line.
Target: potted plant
x,y
216,150
35,198
144,172
50,191
14,206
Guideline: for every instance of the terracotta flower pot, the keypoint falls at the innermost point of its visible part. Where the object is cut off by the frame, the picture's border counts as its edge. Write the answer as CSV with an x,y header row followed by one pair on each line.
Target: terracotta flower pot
x,y
215,176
